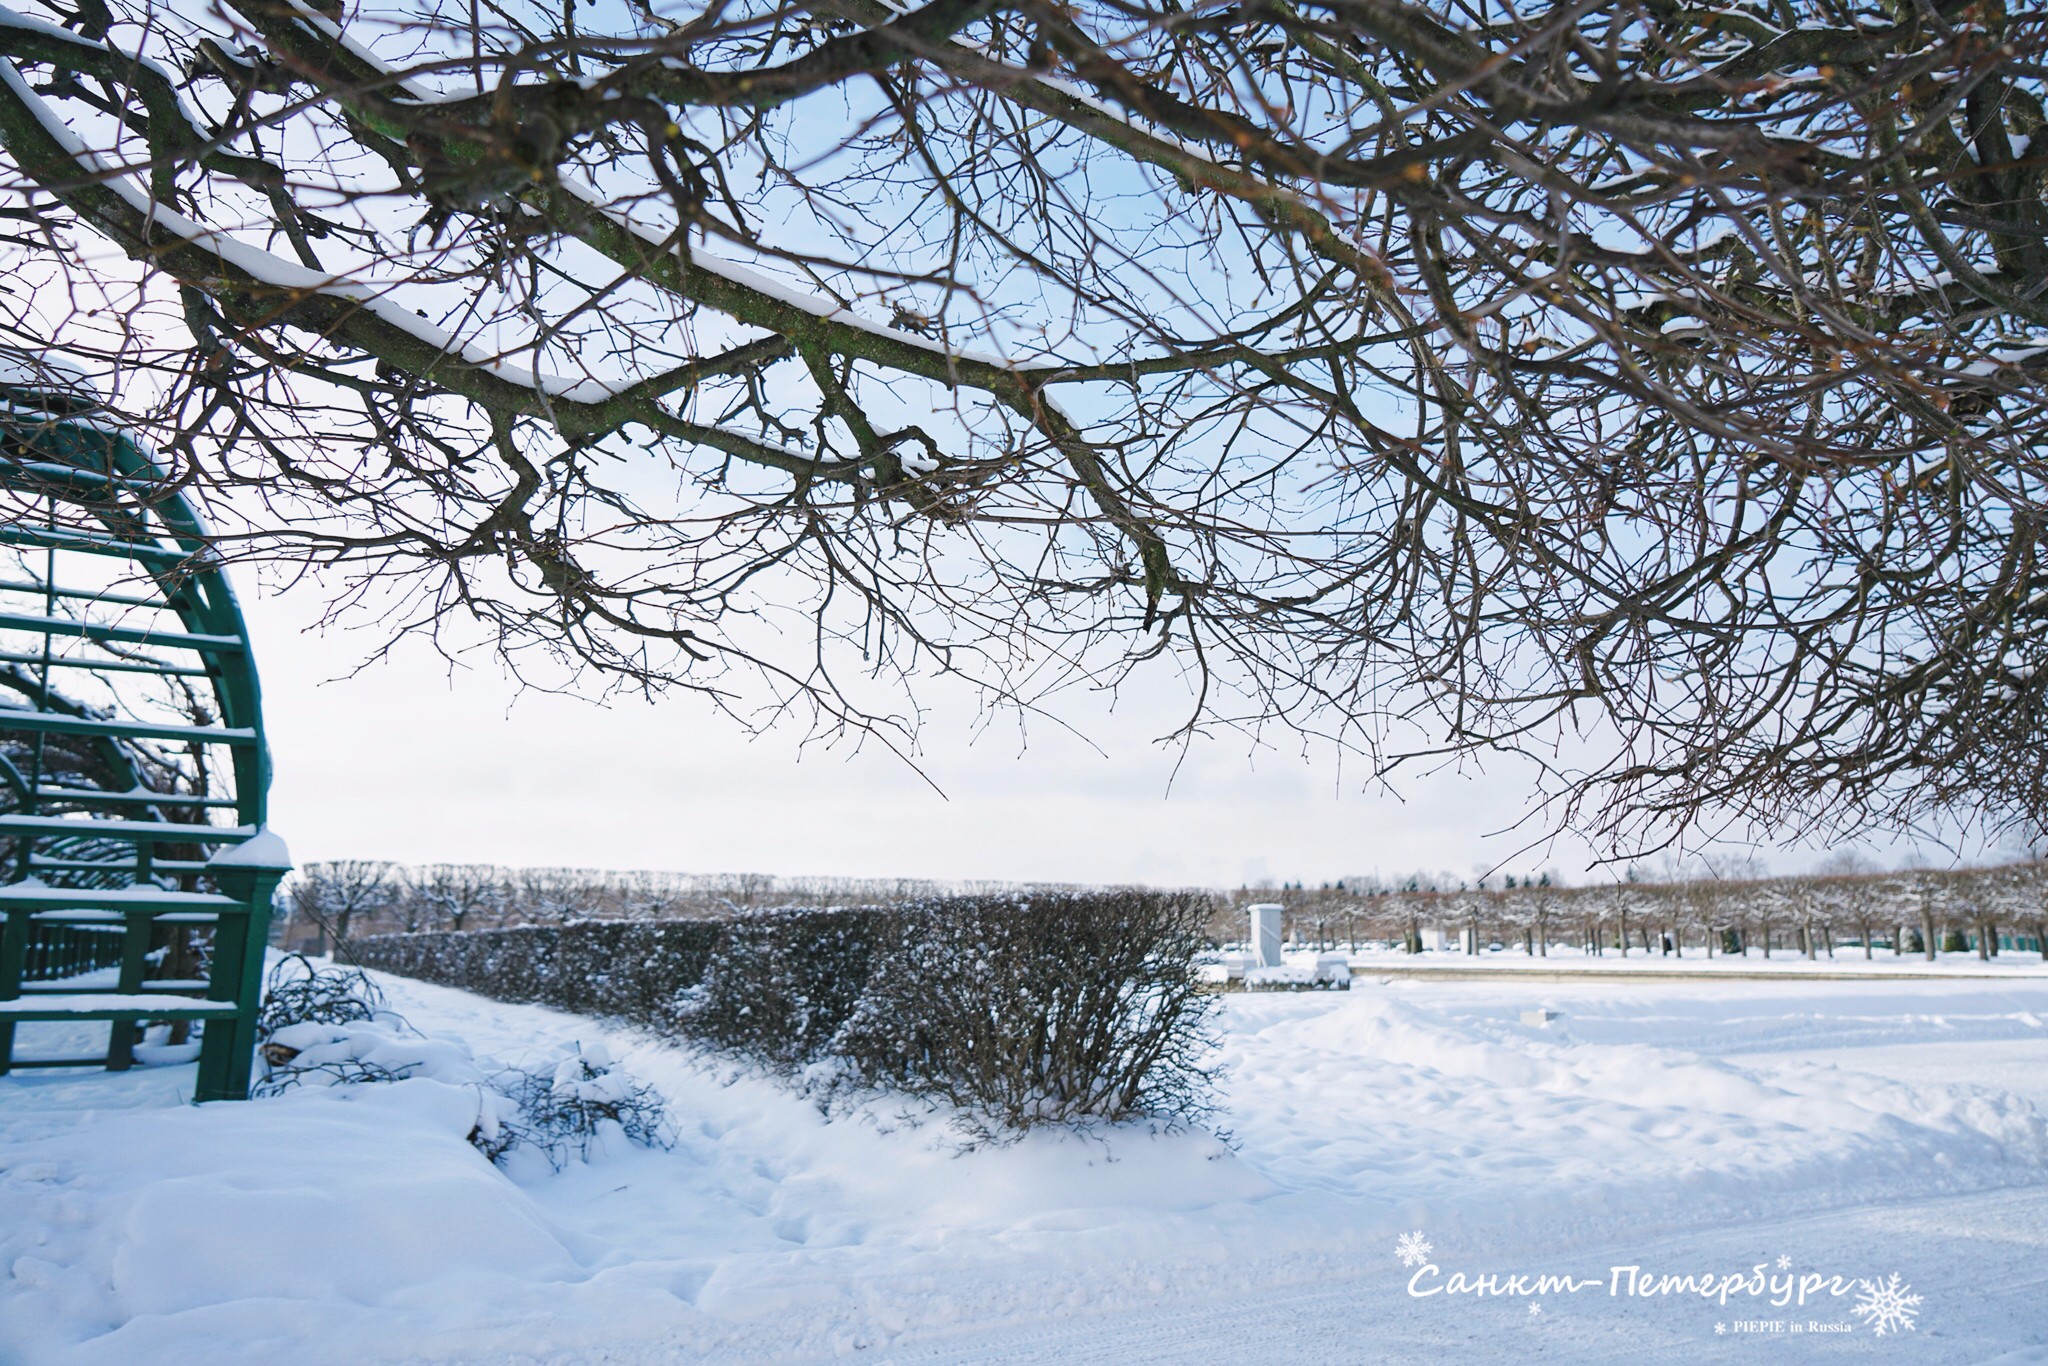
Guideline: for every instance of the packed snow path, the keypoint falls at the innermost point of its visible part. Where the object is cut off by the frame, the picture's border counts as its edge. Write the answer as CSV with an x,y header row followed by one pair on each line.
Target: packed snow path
x,y
1982,1251
1683,1127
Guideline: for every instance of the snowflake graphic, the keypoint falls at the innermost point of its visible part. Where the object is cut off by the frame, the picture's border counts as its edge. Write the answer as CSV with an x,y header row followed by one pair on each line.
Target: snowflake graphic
x,y
1886,1306
1412,1248
1784,1263
1721,1328
1535,1310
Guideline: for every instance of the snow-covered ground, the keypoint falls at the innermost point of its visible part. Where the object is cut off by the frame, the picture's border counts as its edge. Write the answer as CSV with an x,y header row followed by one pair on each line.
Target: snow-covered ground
x,y
1565,958
1853,1129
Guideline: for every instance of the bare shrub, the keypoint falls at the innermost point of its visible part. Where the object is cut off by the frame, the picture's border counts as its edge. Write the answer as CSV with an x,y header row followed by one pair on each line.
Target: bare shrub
x,y
325,1027
573,1103
297,992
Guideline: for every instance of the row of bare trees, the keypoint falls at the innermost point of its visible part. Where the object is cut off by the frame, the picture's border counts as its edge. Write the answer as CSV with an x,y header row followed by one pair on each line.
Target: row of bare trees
x,y
1918,911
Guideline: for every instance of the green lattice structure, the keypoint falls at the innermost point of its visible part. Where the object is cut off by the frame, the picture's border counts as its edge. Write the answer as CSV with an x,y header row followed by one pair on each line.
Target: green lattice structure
x,y
138,866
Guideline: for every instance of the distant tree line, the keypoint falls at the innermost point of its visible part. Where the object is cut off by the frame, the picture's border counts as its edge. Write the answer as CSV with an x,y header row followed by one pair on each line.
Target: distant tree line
x,y
1916,911
343,899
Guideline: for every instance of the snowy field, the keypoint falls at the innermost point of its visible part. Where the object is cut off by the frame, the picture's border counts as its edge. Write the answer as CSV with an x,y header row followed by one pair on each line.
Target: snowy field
x,y
1846,962
1697,1129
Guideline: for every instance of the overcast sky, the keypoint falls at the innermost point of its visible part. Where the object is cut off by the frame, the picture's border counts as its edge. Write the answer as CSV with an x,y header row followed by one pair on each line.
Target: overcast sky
x,y
402,761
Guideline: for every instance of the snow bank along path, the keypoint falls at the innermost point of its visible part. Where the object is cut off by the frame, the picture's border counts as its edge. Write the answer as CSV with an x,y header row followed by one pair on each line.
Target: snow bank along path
x,y
1660,1122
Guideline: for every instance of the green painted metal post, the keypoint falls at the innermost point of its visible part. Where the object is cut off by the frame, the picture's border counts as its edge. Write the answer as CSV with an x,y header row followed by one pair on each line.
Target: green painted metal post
x,y
134,962
13,950
228,1046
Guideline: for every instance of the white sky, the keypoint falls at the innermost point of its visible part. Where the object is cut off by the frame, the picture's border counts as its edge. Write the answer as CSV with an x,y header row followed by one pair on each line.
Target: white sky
x,y
400,761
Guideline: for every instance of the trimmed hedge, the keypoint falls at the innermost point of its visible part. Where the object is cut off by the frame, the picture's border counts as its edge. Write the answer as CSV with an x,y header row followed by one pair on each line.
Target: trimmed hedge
x,y
630,970
780,984
1016,1010
1051,1009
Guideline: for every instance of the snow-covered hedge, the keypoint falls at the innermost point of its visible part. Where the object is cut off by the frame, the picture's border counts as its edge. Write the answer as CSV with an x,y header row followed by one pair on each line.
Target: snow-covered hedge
x,y
625,970
779,984
1018,1010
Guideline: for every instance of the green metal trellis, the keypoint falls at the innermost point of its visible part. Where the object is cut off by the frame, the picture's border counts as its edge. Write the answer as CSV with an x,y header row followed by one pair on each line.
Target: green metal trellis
x,y
133,770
